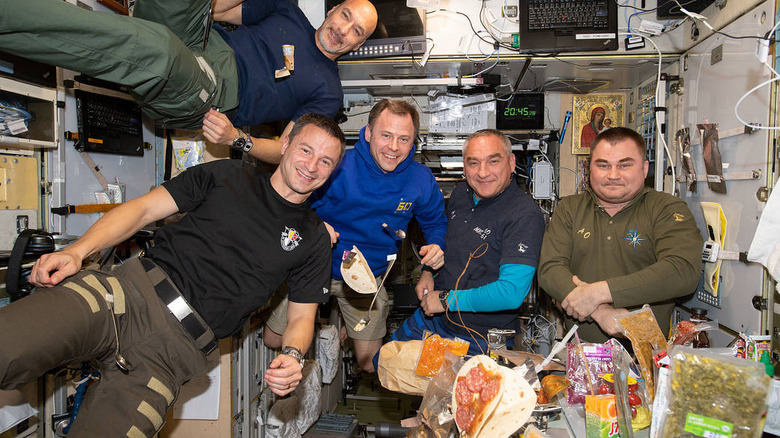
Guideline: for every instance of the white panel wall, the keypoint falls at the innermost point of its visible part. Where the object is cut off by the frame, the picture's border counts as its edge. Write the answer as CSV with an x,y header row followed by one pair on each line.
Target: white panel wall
x,y
79,184
710,93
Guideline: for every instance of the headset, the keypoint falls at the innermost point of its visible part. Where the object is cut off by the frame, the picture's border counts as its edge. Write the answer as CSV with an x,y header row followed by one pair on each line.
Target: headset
x,y
29,245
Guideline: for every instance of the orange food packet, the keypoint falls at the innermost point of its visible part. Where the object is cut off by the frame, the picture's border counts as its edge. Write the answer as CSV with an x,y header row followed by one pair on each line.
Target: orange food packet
x,y
432,354
553,384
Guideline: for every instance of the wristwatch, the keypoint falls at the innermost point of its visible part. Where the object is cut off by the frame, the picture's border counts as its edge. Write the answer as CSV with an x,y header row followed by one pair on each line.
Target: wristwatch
x,y
294,352
443,298
243,142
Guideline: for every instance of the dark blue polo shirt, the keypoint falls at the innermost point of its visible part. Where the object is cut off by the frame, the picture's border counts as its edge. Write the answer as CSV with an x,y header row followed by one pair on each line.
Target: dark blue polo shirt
x,y
512,226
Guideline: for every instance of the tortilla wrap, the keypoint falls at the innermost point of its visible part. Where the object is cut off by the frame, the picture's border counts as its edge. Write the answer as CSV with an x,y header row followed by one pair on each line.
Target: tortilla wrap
x,y
514,409
511,408
358,275
492,368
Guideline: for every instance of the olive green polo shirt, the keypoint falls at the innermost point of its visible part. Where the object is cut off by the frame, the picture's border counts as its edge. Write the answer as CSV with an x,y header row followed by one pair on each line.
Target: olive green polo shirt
x,y
648,252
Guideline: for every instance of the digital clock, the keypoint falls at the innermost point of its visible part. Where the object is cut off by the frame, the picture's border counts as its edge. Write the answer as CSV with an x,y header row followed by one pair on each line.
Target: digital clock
x,y
520,111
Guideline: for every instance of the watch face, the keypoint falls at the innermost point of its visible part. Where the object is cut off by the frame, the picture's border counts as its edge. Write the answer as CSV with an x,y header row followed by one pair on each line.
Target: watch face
x,y
239,143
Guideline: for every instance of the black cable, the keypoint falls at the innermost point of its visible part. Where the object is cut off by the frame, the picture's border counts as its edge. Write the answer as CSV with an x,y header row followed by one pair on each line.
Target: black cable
x,y
746,37
655,8
522,74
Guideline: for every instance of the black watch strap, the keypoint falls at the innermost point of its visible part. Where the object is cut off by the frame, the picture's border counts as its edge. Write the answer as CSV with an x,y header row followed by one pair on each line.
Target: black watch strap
x,y
443,295
243,142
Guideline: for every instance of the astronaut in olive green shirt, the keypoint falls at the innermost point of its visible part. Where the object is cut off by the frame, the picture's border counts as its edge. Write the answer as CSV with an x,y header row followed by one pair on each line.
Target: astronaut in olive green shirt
x,y
619,245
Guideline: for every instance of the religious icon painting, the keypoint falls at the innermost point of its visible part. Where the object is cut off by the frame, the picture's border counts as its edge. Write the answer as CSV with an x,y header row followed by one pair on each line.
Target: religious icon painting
x,y
592,115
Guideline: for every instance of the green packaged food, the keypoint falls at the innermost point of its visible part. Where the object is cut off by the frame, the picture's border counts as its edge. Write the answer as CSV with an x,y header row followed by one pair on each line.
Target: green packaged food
x,y
714,396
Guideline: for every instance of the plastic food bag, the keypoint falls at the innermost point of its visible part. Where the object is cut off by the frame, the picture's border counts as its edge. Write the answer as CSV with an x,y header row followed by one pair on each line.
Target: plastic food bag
x,y
435,406
685,331
187,152
432,355
599,361
716,396
552,385
641,327
633,402
396,370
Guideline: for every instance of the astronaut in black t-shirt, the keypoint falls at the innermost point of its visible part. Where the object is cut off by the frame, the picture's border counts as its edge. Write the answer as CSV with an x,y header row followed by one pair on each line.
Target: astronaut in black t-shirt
x,y
244,233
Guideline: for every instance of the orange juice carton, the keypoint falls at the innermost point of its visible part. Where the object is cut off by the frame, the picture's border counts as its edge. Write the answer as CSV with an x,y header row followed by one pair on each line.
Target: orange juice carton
x,y
601,416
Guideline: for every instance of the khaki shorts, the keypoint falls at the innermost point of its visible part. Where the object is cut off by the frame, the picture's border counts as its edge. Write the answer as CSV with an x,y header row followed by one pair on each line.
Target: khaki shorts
x,y
353,308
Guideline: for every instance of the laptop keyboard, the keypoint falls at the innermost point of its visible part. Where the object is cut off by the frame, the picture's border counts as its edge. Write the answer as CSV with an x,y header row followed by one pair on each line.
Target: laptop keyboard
x,y
111,114
567,14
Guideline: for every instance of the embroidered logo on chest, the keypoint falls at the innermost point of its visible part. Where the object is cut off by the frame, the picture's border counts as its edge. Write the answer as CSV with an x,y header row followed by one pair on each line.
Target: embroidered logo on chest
x,y
585,234
634,238
483,233
290,239
404,206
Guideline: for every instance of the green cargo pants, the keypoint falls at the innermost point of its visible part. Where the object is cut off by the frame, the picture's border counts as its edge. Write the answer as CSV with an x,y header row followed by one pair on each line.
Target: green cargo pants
x,y
72,323
158,54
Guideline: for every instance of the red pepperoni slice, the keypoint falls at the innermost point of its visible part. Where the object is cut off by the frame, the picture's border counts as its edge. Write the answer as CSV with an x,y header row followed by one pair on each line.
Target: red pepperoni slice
x,y
490,389
476,378
464,416
463,394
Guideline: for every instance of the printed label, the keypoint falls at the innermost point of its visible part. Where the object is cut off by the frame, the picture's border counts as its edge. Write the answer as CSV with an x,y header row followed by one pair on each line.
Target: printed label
x,y
595,36
598,352
707,427
16,126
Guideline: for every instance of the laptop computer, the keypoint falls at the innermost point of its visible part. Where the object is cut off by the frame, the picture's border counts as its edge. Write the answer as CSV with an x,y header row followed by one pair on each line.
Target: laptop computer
x,y
552,26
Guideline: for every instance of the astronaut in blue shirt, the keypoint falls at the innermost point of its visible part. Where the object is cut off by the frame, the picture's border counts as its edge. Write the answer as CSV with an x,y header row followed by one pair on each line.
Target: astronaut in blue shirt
x,y
378,182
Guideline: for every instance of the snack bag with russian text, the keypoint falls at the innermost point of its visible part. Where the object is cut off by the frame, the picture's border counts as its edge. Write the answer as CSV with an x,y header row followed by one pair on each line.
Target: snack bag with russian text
x,y
579,370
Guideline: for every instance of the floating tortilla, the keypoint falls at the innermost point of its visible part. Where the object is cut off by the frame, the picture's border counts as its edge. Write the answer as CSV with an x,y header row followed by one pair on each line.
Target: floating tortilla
x,y
501,415
356,272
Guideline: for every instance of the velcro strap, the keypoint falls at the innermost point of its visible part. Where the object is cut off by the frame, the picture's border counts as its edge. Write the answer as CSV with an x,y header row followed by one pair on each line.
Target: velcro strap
x,y
88,297
149,412
119,295
159,387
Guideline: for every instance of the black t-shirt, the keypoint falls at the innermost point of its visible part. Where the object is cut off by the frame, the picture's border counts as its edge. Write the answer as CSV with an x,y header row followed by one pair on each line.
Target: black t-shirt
x,y
238,242
511,224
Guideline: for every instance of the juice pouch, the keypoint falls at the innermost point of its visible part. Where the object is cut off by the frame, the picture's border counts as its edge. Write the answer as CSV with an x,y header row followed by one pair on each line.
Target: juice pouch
x,y
601,416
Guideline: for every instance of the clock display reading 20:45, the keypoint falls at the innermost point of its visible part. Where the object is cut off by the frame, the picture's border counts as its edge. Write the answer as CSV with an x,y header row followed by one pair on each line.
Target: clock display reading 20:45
x,y
514,111
520,111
